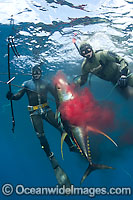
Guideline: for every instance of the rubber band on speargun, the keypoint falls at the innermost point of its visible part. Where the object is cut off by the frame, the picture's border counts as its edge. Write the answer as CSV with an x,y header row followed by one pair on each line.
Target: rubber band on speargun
x,y
15,47
12,45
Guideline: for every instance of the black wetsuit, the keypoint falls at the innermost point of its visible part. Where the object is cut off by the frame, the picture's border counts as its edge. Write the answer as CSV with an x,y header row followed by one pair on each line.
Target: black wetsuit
x,y
37,91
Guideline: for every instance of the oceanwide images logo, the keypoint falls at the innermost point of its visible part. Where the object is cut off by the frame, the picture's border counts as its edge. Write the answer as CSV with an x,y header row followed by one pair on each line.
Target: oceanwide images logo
x,y
8,190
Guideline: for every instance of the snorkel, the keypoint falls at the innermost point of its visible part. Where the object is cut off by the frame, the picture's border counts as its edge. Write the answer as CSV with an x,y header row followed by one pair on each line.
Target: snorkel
x,y
74,42
85,49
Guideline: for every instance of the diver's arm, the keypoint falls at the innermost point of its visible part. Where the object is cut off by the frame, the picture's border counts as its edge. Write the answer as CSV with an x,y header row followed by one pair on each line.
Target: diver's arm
x,y
113,57
52,91
83,79
124,71
84,75
19,94
124,66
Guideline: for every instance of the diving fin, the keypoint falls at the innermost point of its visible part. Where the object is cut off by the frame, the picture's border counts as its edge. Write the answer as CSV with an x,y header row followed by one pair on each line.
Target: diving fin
x,y
93,167
61,176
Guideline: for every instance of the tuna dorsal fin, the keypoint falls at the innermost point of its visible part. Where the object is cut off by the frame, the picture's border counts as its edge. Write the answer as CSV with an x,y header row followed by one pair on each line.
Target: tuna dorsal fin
x,y
62,140
89,128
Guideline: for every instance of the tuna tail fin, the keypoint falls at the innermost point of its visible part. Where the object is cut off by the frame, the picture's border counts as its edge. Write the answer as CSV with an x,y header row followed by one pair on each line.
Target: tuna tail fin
x,y
91,168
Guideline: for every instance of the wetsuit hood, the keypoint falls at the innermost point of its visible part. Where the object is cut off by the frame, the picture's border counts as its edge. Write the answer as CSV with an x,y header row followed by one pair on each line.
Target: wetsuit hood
x,y
36,72
86,50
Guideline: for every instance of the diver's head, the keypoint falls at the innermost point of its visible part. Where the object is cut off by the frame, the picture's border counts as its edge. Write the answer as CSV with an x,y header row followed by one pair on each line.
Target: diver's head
x,y
86,50
36,72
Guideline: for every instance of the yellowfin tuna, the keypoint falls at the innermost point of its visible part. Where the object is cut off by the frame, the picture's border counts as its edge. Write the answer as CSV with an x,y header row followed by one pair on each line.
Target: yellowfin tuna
x,y
77,133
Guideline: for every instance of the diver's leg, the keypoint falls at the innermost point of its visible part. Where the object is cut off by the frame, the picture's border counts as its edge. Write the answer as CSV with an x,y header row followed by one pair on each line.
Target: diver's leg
x,y
50,117
61,176
38,126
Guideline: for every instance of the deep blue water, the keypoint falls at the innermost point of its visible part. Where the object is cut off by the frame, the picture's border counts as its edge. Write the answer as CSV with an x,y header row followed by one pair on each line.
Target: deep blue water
x,y
43,32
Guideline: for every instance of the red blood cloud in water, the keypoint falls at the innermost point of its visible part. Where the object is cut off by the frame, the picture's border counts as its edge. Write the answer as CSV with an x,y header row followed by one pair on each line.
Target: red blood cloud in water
x,y
57,77
83,110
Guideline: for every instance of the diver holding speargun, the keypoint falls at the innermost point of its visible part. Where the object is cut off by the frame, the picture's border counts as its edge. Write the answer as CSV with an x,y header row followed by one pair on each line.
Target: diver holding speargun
x,y
37,90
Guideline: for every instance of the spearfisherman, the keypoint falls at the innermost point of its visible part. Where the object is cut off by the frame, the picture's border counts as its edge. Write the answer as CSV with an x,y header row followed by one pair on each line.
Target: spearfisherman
x,y
106,65
37,90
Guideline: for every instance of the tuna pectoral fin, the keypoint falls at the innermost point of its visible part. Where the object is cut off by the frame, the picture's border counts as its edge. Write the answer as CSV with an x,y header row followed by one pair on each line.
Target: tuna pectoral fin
x,y
62,140
93,167
89,128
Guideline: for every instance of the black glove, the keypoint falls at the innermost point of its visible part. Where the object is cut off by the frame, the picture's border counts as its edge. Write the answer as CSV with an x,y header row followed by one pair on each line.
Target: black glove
x,y
9,95
122,82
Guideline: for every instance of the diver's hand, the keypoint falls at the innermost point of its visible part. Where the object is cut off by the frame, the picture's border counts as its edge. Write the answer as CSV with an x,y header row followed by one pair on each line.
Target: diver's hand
x,y
9,95
122,82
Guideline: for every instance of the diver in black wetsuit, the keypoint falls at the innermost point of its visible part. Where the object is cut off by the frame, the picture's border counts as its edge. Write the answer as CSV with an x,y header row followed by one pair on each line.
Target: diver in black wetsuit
x,y
37,90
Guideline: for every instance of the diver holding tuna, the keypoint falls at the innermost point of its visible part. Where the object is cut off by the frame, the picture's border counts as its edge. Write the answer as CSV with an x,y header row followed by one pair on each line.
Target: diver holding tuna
x,y
37,90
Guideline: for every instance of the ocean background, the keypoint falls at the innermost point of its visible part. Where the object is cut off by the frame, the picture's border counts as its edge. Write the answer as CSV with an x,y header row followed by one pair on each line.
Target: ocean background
x,y
43,32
